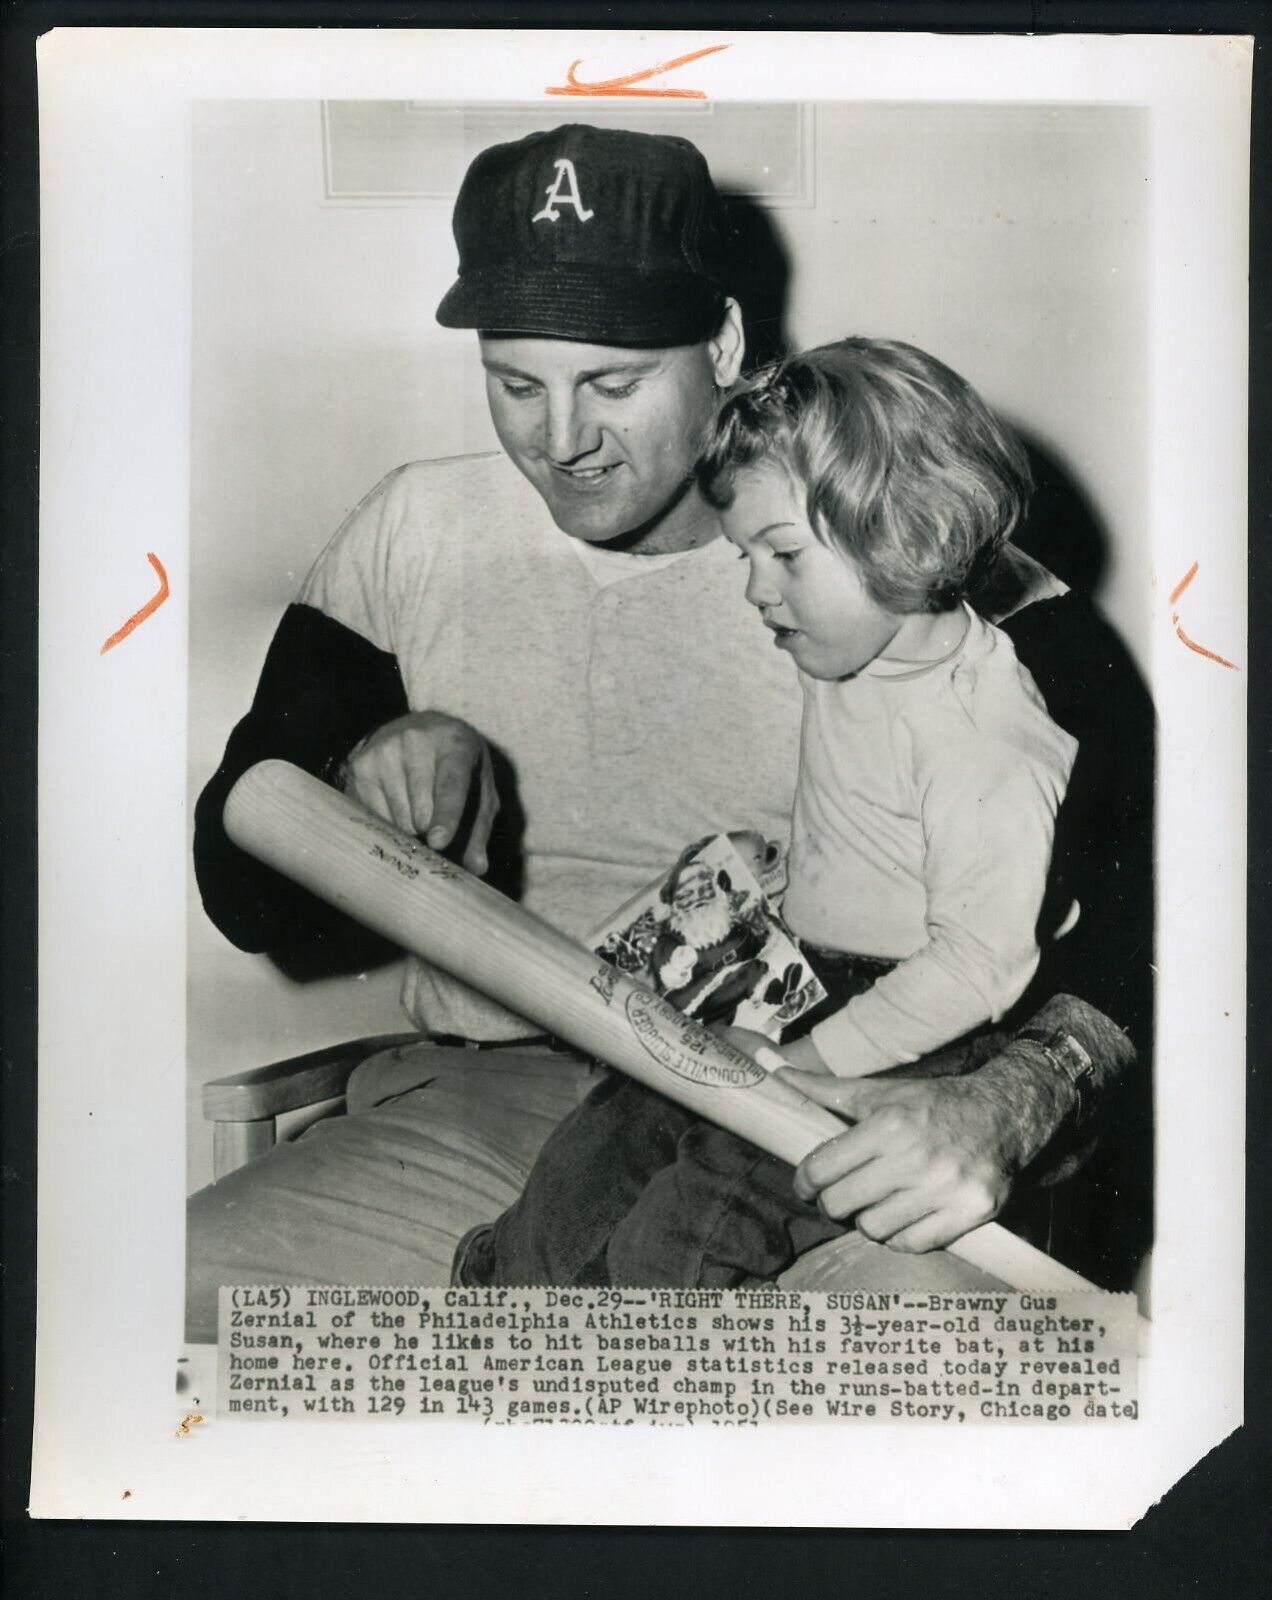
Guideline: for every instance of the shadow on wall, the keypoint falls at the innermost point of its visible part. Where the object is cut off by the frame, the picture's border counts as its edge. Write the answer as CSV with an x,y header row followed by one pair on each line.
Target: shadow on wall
x,y
1062,528
760,278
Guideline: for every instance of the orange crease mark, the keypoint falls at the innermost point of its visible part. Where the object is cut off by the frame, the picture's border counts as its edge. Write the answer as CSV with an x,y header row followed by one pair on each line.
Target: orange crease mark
x,y
623,85
1201,649
151,606
1184,582
1179,632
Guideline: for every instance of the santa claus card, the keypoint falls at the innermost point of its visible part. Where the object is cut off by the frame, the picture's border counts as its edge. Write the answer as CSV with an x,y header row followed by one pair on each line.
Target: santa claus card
x,y
708,936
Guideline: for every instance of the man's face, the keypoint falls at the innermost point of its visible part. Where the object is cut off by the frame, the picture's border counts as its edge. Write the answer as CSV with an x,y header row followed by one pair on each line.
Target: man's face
x,y
608,435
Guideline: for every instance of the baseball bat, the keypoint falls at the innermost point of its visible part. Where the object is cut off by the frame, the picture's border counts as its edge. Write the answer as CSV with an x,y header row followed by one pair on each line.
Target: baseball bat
x,y
398,886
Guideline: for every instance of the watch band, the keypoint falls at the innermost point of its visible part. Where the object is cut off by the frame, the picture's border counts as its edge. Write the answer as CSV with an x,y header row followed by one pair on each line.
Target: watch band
x,y
1067,1056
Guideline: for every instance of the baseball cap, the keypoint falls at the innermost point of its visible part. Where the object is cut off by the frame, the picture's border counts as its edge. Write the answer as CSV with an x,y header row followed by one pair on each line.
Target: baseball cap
x,y
595,234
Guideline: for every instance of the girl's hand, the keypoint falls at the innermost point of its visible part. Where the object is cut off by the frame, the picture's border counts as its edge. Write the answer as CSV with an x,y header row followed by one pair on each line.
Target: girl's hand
x,y
747,1040
802,1053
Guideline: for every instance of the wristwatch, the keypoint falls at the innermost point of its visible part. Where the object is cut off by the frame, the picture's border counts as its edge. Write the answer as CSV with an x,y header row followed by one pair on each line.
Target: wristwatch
x,y
1068,1057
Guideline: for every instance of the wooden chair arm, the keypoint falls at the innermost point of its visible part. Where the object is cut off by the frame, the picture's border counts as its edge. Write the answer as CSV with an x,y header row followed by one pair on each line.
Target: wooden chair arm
x,y
265,1092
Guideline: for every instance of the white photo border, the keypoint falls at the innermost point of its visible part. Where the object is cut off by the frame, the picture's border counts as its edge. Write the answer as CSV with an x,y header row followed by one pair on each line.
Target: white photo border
x,y
115,459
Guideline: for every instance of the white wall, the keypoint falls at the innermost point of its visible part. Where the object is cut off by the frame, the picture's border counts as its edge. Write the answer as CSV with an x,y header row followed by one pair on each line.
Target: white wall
x,y
1010,241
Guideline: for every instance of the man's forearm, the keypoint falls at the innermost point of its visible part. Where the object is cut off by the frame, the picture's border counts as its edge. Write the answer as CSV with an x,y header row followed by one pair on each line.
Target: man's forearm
x,y
1052,1082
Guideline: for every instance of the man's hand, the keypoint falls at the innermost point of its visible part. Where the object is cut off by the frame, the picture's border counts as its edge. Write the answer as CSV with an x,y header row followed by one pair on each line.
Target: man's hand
x,y
925,1163
419,772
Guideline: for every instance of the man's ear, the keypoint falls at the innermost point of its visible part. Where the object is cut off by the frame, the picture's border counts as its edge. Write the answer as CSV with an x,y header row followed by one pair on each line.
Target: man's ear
x,y
728,346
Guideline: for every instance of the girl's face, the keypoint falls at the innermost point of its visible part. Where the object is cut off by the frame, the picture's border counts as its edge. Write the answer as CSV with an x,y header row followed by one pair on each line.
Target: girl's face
x,y
808,594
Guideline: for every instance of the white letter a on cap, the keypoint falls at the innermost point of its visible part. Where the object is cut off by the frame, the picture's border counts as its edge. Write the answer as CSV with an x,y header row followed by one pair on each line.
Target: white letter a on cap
x,y
563,190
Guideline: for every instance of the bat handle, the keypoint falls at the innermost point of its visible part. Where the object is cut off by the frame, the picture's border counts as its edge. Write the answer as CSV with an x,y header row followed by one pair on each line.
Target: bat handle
x,y
1004,1255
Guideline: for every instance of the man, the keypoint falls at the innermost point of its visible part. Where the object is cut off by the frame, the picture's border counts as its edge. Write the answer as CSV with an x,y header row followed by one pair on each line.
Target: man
x,y
544,661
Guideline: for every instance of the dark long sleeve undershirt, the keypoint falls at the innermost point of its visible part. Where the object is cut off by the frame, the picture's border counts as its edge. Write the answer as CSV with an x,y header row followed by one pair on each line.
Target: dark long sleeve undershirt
x,y
1103,854
322,689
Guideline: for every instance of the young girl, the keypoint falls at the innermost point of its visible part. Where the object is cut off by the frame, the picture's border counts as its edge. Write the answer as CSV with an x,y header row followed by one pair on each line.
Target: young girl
x,y
869,490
